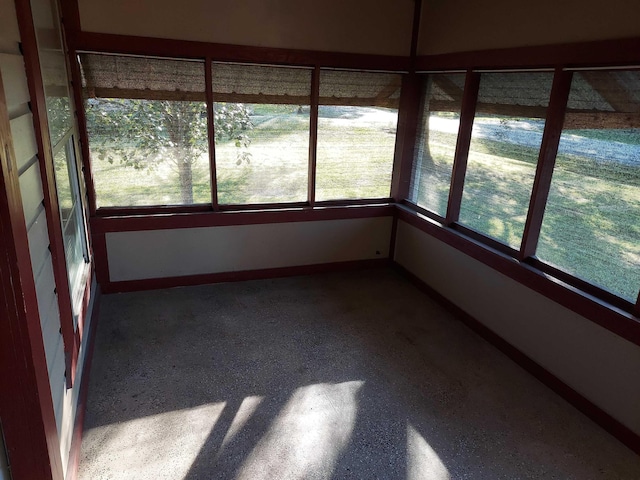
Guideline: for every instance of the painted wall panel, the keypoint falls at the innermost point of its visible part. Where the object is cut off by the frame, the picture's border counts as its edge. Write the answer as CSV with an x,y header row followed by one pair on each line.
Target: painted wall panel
x,y
460,25
53,344
15,81
168,253
31,190
24,139
598,364
39,244
9,33
356,26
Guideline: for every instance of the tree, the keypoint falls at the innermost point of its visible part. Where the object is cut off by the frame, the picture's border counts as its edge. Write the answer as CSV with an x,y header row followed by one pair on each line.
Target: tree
x,y
142,134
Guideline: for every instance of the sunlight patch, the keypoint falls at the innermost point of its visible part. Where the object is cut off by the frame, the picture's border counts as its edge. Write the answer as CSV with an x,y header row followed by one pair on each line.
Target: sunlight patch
x,y
157,446
307,436
422,461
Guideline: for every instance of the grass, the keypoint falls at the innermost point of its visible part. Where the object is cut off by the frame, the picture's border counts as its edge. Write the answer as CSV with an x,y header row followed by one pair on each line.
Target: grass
x,y
591,226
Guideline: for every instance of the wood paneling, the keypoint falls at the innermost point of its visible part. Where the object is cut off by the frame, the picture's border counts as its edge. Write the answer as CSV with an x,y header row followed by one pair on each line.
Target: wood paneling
x,y
24,139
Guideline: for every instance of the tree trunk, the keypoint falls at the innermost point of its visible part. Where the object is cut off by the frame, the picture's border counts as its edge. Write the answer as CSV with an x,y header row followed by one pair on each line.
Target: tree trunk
x,y
185,175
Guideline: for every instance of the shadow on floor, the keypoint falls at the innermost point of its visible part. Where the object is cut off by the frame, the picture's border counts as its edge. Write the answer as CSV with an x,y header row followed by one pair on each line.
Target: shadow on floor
x,y
350,375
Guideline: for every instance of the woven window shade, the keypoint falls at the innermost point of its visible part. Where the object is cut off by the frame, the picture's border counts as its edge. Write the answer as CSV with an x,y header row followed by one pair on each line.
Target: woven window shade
x,y
355,88
522,94
438,125
114,76
240,83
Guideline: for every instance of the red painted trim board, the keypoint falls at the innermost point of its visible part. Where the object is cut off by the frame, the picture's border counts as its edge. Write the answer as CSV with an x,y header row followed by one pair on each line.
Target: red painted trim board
x,y
81,408
26,407
595,413
189,280
218,219
613,319
134,45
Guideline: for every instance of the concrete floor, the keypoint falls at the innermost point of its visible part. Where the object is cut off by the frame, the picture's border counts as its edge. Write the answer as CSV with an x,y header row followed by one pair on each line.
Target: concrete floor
x,y
348,375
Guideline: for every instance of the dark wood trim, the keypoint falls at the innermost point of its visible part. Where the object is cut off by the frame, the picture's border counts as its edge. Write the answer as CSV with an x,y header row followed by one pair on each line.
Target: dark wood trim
x,y
81,408
54,225
83,135
313,135
616,320
162,47
546,162
392,241
582,285
240,276
636,310
153,210
595,413
354,202
405,137
211,133
467,114
485,240
70,15
423,211
593,54
100,259
415,30
102,225
26,407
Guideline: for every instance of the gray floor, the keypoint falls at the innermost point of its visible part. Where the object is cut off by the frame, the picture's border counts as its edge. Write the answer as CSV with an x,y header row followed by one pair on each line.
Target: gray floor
x,y
349,375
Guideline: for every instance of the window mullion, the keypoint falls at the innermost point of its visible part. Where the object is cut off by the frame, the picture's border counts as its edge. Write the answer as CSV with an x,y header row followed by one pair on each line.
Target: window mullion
x,y
313,134
546,162
211,133
467,114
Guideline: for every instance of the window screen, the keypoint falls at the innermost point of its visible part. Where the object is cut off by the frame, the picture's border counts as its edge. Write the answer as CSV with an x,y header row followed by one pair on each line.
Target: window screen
x,y
262,119
357,121
505,143
438,124
147,126
591,226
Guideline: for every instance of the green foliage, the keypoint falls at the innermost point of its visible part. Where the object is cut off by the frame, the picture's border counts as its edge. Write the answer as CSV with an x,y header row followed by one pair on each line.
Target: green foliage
x,y
143,133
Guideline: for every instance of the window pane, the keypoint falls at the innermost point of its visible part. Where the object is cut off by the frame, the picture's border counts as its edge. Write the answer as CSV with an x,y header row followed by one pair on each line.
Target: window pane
x,y
357,121
262,120
438,125
591,226
147,126
505,143
54,69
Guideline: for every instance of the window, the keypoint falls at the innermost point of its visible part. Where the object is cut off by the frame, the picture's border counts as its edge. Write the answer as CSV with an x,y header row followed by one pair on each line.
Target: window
x,y
62,136
503,154
357,121
71,215
147,126
591,225
261,121
438,124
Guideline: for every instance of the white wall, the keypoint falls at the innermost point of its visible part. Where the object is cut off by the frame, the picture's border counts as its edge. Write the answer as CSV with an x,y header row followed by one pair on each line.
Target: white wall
x,y
460,25
193,251
598,364
356,26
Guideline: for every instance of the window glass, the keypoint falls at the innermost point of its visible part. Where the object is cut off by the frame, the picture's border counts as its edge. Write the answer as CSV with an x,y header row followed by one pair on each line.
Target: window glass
x,y
69,199
261,121
505,143
591,225
147,126
53,68
438,124
357,121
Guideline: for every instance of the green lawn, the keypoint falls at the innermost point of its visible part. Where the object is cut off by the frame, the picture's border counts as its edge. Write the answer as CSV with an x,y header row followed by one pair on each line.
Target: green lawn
x,y
591,227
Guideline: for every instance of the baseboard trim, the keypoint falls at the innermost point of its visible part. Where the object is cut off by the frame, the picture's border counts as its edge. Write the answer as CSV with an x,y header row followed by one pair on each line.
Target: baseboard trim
x,y
191,280
595,413
78,426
